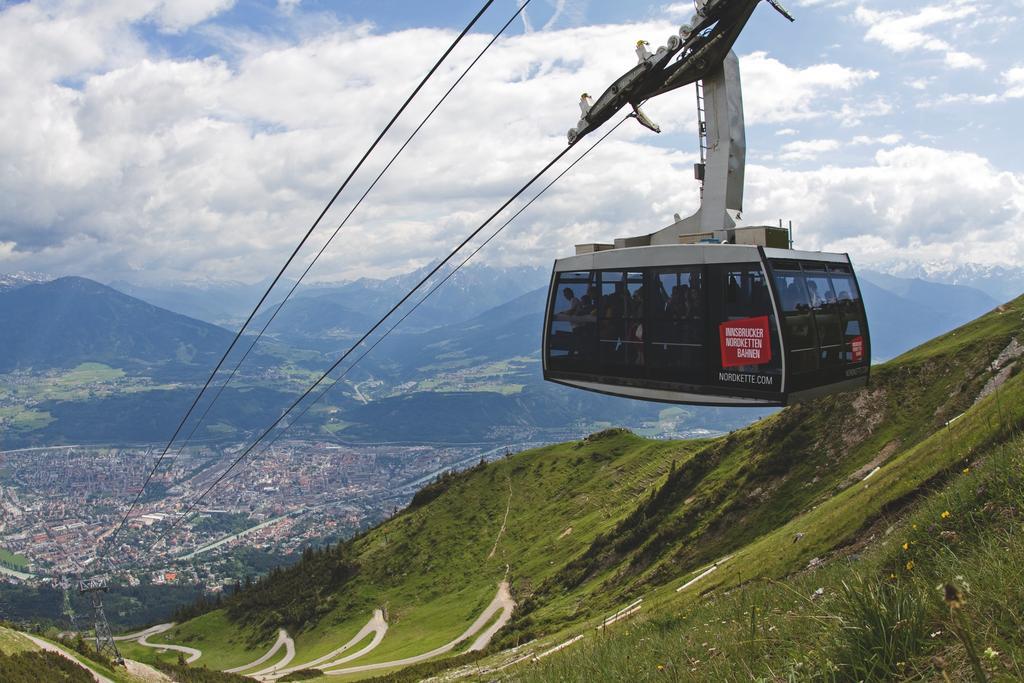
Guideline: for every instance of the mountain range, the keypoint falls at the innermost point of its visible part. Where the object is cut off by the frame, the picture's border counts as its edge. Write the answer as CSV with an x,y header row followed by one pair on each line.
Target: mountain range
x,y
72,320
1001,282
905,312
468,357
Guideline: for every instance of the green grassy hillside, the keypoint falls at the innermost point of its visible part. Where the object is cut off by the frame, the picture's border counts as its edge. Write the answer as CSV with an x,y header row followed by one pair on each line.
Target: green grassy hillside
x,y
934,594
581,530
24,661
432,566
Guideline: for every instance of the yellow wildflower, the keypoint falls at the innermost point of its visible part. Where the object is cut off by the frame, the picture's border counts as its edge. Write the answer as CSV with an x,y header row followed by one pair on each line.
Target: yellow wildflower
x,y
906,546
945,514
661,667
914,527
910,565
967,470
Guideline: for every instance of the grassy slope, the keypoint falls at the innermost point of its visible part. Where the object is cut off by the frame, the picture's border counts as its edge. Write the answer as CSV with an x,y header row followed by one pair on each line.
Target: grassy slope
x,y
645,514
114,673
224,645
430,566
12,642
872,614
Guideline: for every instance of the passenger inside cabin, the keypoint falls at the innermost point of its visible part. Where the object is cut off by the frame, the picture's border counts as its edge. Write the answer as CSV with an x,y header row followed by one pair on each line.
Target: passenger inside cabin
x,y
695,308
574,303
790,296
620,301
589,302
679,302
636,307
732,292
812,290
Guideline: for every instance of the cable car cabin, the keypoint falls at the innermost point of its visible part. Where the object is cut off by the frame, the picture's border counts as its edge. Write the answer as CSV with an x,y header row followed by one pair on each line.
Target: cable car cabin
x,y
707,324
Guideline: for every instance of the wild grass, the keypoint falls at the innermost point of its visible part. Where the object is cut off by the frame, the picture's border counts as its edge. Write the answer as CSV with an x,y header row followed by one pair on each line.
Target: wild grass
x,y
146,655
12,642
938,595
224,644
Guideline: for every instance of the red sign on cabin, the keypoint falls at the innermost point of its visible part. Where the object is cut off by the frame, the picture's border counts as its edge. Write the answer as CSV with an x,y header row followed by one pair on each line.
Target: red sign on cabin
x,y
745,342
857,349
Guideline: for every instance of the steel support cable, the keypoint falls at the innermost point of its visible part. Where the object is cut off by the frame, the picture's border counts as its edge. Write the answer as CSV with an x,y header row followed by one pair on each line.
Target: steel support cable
x,y
316,258
362,339
281,432
302,242
437,286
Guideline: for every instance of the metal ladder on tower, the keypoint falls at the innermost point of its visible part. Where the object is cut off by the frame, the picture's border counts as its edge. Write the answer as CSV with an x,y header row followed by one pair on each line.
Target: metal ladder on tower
x,y
702,136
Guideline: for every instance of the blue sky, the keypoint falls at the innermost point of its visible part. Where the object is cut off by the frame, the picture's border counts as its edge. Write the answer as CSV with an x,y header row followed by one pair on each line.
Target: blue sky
x,y
160,140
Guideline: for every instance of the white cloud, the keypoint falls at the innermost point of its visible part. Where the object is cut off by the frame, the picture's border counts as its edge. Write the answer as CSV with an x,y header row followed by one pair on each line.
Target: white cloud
x,y
556,15
903,32
120,161
1014,79
852,114
802,150
891,139
527,26
678,11
823,3
777,93
961,60
913,202
174,16
173,165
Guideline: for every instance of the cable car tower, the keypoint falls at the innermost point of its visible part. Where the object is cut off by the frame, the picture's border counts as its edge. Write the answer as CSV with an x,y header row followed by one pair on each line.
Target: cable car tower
x,y
105,645
703,311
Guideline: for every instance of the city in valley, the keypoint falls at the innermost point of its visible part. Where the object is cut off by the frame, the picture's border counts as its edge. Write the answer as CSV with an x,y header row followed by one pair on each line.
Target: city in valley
x,y
59,504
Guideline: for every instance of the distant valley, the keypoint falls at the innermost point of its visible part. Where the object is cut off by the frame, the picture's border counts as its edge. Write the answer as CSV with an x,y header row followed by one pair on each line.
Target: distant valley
x,y
82,362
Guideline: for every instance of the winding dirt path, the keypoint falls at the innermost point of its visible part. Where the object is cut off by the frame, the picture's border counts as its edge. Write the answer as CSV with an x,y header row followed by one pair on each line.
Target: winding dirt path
x,y
502,602
289,655
50,647
282,636
146,632
504,521
506,604
377,625
193,654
